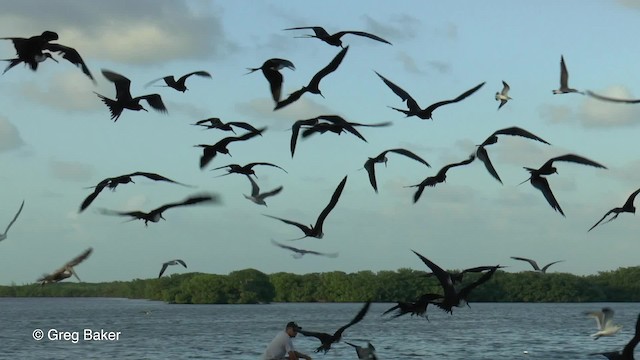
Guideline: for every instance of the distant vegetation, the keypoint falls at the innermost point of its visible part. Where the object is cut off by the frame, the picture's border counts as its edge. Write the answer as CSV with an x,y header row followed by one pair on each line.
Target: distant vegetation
x,y
251,286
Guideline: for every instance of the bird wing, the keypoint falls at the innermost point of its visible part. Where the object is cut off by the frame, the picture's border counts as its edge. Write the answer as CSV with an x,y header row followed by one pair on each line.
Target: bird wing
x,y
323,337
464,292
293,97
467,161
273,192
160,78
295,130
505,88
460,97
369,165
606,98
196,199
629,203
80,258
363,311
547,266
202,73
250,165
318,30
361,33
96,191
331,67
164,267
408,154
516,131
502,102
155,101
532,262
542,184
71,55
255,190
14,218
564,74
332,203
181,262
576,159
121,83
483,156
605,215
302,227
156,177
598,316
274,78
243,125
443,276
284,246
411,103
627,351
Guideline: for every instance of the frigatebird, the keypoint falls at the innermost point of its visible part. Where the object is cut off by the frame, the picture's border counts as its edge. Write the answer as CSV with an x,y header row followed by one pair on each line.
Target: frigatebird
x,y
66,271
113,182
216,123
604,321
627,207
334,39
440,177
316,230
180,83
413,107
298,253
258,197
210,151
123,97
503,95
171,262
481,152
627,351
606,98
456,277
328,339
369,165
245,169
314,84
564,80
364,353
156,214
271,71
418,307
541,183
4,235
534,264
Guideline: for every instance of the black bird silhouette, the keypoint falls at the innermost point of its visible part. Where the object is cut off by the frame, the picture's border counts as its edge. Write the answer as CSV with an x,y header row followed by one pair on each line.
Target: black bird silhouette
x,y
418,307
627,207
541,183
456,277
258,197
369,165
334,39
156,214
216,123
338,127
124,99
15,217
171,262
414,108
364,353
314,84
210,151
316,230
328,339
440,177
298,253
481,152
66,271
453,297
180,83
606,98
564,80
31,51
245,169
535,264
113,182
271,71
627,351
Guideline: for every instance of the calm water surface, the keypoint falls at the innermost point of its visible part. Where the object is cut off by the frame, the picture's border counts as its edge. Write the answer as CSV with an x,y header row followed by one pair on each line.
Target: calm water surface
x,y
155,330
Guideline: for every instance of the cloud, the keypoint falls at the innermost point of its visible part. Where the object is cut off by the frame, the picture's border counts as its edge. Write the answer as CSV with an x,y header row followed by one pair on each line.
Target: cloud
x,y
408,63
397,28
634,4
440,66
9,136
556,114
68,91
598,113
71,170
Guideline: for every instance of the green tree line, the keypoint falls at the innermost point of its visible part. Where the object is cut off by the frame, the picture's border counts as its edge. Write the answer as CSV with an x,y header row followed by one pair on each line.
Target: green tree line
x,y
250,286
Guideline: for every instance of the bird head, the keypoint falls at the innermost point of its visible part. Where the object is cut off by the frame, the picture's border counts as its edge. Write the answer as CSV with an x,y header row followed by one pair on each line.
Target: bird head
x,y
49,36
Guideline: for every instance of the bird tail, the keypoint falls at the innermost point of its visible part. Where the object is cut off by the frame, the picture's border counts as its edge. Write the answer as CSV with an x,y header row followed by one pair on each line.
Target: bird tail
x,y
113,106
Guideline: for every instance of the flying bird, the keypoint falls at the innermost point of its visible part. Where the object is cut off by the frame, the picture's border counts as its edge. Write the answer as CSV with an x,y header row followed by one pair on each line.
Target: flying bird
x,y
627,351
334,39
627,207
216,123
210,151
316,230
328,339
535,264
258,197
113,182
66,271
541,183
4,235
298,253
564,80
271,71
180,83
314,84
124,99
418,307
413,107
156,214
245,169
606,98
364,353
339,127
171,262
456,277
503,96
481,152
369,165
440,177
604,320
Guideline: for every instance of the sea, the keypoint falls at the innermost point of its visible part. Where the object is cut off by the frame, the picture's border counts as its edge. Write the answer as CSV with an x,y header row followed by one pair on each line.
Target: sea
x,y
113,328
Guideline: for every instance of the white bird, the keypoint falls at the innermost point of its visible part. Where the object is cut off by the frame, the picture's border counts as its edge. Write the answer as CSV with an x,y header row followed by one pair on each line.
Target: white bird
x,y
258,197
4,235
172,262
364,353
604,319
503,96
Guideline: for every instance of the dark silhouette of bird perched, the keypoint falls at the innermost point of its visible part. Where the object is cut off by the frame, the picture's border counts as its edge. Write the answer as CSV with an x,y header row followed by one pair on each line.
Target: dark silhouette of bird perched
x,y
334,39
66,271
271,71
179,84
123,97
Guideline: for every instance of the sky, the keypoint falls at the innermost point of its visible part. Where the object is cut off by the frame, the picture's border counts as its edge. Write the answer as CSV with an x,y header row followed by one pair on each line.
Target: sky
x,y
57,139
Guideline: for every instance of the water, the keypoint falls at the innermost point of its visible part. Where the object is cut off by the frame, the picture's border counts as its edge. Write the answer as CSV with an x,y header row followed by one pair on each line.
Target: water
x,y
155,330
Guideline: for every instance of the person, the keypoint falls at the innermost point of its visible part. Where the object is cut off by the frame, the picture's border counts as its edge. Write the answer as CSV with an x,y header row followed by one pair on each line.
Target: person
x,y
282,345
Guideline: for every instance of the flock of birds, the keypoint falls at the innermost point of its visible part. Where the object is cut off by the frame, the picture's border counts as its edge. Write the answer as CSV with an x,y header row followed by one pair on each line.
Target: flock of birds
x,y
37,49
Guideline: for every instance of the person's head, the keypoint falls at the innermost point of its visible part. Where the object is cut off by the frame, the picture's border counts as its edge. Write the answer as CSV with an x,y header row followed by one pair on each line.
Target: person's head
x,y
292,329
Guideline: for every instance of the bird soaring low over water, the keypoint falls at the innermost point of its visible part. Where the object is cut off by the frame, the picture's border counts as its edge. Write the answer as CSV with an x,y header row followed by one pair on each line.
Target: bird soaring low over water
x,y
298,253
314,84
113,182
369,165
66,271
171,262
210,151
440,177
456,277
364,353
503,96
316,230
541,183
245,169
180,83
414,108
627,207
6,230
124,99
334,39
216,123
156,214
534,264
418,307
328,339
271,71
258,197
627,351
564,80
604,320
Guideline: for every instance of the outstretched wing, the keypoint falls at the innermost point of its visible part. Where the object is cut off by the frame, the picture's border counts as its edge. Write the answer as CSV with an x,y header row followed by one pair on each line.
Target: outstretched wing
x,y
156,177
542,184
202,73
96,191
196,199
605,215
122,84
331,67
363,311
369,165
164,267
155,101
80,258
71,55
332,203
461,97
302,227
14,218
516,131
606,98
293,97
409,154
361,33
547,266
575,159
483,156
411,103
532,262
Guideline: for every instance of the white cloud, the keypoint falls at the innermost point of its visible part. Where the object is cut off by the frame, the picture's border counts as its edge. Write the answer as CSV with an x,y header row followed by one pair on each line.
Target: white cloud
x,y
598,113
71,170
9,135
68,91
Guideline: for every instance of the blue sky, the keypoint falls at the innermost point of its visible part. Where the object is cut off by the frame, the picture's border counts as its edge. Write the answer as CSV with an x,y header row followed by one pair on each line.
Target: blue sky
x,y
56,137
